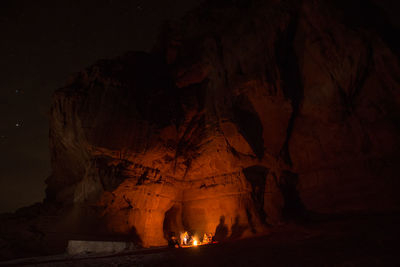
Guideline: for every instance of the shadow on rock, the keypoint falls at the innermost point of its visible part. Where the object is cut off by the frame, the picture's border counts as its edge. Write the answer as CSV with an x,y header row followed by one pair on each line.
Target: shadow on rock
x,y
221,232
237,229
135,237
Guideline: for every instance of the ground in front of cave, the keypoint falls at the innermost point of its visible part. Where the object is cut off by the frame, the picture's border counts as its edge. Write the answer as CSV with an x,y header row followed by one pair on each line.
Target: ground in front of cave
x,y
348,240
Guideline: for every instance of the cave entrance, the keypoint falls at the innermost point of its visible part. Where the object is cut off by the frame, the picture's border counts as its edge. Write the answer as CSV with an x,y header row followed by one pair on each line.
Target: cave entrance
x,y
172,225
175,233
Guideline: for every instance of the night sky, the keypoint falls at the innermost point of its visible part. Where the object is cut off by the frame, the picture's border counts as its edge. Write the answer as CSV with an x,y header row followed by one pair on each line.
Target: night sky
x,y
42,43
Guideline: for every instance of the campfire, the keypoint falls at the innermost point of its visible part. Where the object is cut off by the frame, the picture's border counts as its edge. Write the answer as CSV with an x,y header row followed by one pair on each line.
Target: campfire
x,y
186,240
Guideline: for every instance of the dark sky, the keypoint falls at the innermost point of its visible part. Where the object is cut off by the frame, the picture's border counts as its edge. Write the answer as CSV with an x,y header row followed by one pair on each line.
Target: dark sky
x,y
41,44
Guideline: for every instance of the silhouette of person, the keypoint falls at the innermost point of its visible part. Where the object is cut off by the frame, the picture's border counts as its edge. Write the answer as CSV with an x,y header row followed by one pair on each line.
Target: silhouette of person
x,y
237,229
221,232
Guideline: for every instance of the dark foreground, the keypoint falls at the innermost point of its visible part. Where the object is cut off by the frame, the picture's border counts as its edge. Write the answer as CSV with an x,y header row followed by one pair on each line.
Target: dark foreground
x,y
362,240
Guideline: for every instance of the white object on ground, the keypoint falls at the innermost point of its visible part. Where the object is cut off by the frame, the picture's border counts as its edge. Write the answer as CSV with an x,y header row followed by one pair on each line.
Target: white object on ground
x,y
80,246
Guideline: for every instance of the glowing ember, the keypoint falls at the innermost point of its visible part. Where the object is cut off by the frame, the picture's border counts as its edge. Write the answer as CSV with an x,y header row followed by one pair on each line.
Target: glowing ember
x,y
195,242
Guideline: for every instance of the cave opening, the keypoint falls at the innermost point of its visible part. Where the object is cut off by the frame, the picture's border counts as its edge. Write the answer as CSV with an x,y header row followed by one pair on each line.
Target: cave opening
x,y
179,234
172,224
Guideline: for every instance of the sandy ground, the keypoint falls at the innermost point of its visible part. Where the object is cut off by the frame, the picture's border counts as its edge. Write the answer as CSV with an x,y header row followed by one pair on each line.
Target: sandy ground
x,y
342,241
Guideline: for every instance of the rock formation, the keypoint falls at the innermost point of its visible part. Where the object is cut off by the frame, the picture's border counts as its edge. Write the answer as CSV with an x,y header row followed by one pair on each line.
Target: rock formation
x,y
246,112
251,111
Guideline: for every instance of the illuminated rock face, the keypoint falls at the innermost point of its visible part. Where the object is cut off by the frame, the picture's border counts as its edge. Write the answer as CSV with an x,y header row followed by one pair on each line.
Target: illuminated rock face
x,y
273,111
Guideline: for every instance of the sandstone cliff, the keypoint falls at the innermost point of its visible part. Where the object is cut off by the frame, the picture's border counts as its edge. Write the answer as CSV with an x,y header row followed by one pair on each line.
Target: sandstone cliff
x,y
246,112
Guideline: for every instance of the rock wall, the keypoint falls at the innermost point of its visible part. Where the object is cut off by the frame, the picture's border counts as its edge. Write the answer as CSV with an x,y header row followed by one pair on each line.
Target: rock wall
x,y
246,113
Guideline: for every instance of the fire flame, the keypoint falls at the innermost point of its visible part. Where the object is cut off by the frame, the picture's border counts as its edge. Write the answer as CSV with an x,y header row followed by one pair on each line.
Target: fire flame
x,y
187,240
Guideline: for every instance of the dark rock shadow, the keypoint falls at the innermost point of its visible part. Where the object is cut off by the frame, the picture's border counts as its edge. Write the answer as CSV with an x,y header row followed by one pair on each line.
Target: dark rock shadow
x,y
251,222
257,176
237,229
249,124
221,232
294,208
135,238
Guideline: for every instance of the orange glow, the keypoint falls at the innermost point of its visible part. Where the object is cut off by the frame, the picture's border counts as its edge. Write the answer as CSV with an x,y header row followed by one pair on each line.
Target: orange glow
x,y
184,238
187,240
